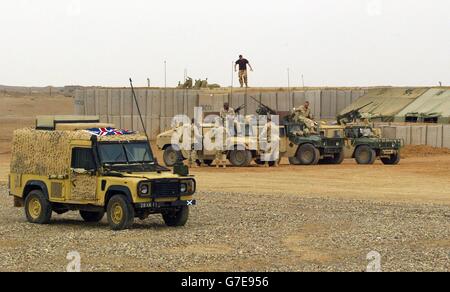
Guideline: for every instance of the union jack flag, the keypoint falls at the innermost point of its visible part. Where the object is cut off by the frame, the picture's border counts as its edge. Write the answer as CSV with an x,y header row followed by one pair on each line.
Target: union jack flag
x,y
108,132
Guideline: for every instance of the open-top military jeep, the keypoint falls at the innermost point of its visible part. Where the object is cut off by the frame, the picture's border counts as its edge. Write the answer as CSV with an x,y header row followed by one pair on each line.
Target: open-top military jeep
x,y
311,149
76,163
364,143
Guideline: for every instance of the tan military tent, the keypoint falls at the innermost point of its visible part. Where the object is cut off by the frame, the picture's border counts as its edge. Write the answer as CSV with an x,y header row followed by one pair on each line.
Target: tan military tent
x,y
431,107
383,104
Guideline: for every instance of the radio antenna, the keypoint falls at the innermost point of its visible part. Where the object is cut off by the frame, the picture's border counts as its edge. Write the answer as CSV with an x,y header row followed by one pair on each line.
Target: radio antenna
x,y
139,111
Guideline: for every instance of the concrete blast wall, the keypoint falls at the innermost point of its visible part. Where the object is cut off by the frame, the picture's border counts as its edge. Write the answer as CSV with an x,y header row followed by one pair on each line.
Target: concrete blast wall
x,y
431,135
159,106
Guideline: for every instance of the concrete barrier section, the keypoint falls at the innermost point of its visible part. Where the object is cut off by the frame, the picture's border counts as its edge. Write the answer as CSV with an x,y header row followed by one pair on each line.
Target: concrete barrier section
x,y
117,121
126,122
446,136
328,104
126,107
165,124
284,101
79,101
90,105
154,103
137,124
404,132
141,96
434,135
114,102
101,102
192,101
419,135
167,103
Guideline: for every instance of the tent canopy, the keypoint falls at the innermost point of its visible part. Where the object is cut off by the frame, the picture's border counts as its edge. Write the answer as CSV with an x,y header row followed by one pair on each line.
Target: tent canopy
x,y
435,103
385,103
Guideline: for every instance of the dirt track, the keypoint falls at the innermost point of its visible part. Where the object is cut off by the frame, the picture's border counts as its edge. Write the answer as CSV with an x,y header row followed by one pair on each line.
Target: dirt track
x,y
287,218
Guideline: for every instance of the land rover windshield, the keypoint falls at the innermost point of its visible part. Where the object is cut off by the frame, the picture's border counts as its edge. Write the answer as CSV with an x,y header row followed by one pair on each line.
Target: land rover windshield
x,y
125,153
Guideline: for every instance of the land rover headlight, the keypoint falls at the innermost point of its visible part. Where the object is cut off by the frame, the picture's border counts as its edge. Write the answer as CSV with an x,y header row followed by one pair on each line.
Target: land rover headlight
x,y
183,188
144,190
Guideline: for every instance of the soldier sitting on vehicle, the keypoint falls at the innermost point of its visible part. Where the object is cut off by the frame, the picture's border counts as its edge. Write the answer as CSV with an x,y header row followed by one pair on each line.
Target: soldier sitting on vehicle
x,y
303,115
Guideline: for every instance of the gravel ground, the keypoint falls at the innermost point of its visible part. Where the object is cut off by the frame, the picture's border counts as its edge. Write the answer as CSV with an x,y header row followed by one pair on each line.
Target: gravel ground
x,y
239,232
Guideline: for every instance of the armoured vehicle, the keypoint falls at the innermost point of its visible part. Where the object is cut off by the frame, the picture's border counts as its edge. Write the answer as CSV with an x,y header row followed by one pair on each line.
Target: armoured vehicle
x,y
77,164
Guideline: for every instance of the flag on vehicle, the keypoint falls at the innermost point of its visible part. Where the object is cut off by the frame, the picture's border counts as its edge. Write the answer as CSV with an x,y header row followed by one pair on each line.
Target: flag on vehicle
x,y
108,132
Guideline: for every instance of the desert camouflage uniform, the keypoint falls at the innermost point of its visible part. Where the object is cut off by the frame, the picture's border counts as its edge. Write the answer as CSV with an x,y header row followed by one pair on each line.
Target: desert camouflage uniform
x,y
272,135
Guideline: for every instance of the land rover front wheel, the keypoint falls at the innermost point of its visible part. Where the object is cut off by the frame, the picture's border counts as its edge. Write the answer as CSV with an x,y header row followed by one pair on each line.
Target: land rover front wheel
x,y
38,209
308,155
177,217
240,158
171,156
394,159
365,155
120,213
92,217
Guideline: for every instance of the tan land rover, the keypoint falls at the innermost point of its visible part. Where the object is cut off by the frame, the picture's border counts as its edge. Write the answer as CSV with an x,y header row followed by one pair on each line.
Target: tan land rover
x,y
78,164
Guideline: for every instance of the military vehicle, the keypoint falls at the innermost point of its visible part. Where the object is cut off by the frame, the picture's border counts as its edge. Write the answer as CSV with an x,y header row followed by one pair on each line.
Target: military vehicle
x,y
304,145
364,142
312,149
242,151
78,164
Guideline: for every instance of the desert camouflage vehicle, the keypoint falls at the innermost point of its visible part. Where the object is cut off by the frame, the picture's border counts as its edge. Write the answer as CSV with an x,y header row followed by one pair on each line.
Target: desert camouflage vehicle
x,y
77,164
242,154
364,143
326,147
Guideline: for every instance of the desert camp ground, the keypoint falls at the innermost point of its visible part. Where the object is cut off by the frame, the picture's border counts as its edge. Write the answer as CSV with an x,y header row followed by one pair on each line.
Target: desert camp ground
x,y
290,218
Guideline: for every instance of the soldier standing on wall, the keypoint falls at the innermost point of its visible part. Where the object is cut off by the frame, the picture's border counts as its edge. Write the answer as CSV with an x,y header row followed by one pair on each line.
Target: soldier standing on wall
x,y
243,75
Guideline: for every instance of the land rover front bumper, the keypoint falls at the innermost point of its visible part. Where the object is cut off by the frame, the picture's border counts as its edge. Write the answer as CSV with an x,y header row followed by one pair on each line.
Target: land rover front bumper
x,y
160,205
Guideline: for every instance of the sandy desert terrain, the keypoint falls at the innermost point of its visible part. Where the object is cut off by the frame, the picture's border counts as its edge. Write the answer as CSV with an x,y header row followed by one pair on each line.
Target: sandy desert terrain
x,y
254,219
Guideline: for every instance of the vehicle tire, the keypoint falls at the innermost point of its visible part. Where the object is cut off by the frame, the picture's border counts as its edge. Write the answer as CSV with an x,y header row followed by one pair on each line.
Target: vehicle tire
x,y
271,163
336,159
208,162
365,155
294,161
92,217
120,213
38,209
240,158
307,154
177,217
394,159
171,156
205,162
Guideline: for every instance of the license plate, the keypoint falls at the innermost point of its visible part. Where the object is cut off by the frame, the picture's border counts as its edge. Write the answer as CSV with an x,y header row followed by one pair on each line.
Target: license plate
x,y
388,151
148,205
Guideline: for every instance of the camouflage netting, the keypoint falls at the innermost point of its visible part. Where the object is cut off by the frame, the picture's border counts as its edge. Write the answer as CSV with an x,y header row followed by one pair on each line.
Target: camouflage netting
x,y
48,152
43,152
132,137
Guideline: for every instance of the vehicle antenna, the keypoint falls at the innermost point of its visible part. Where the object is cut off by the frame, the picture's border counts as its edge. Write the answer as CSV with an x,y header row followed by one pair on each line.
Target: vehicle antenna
x,y
139,111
